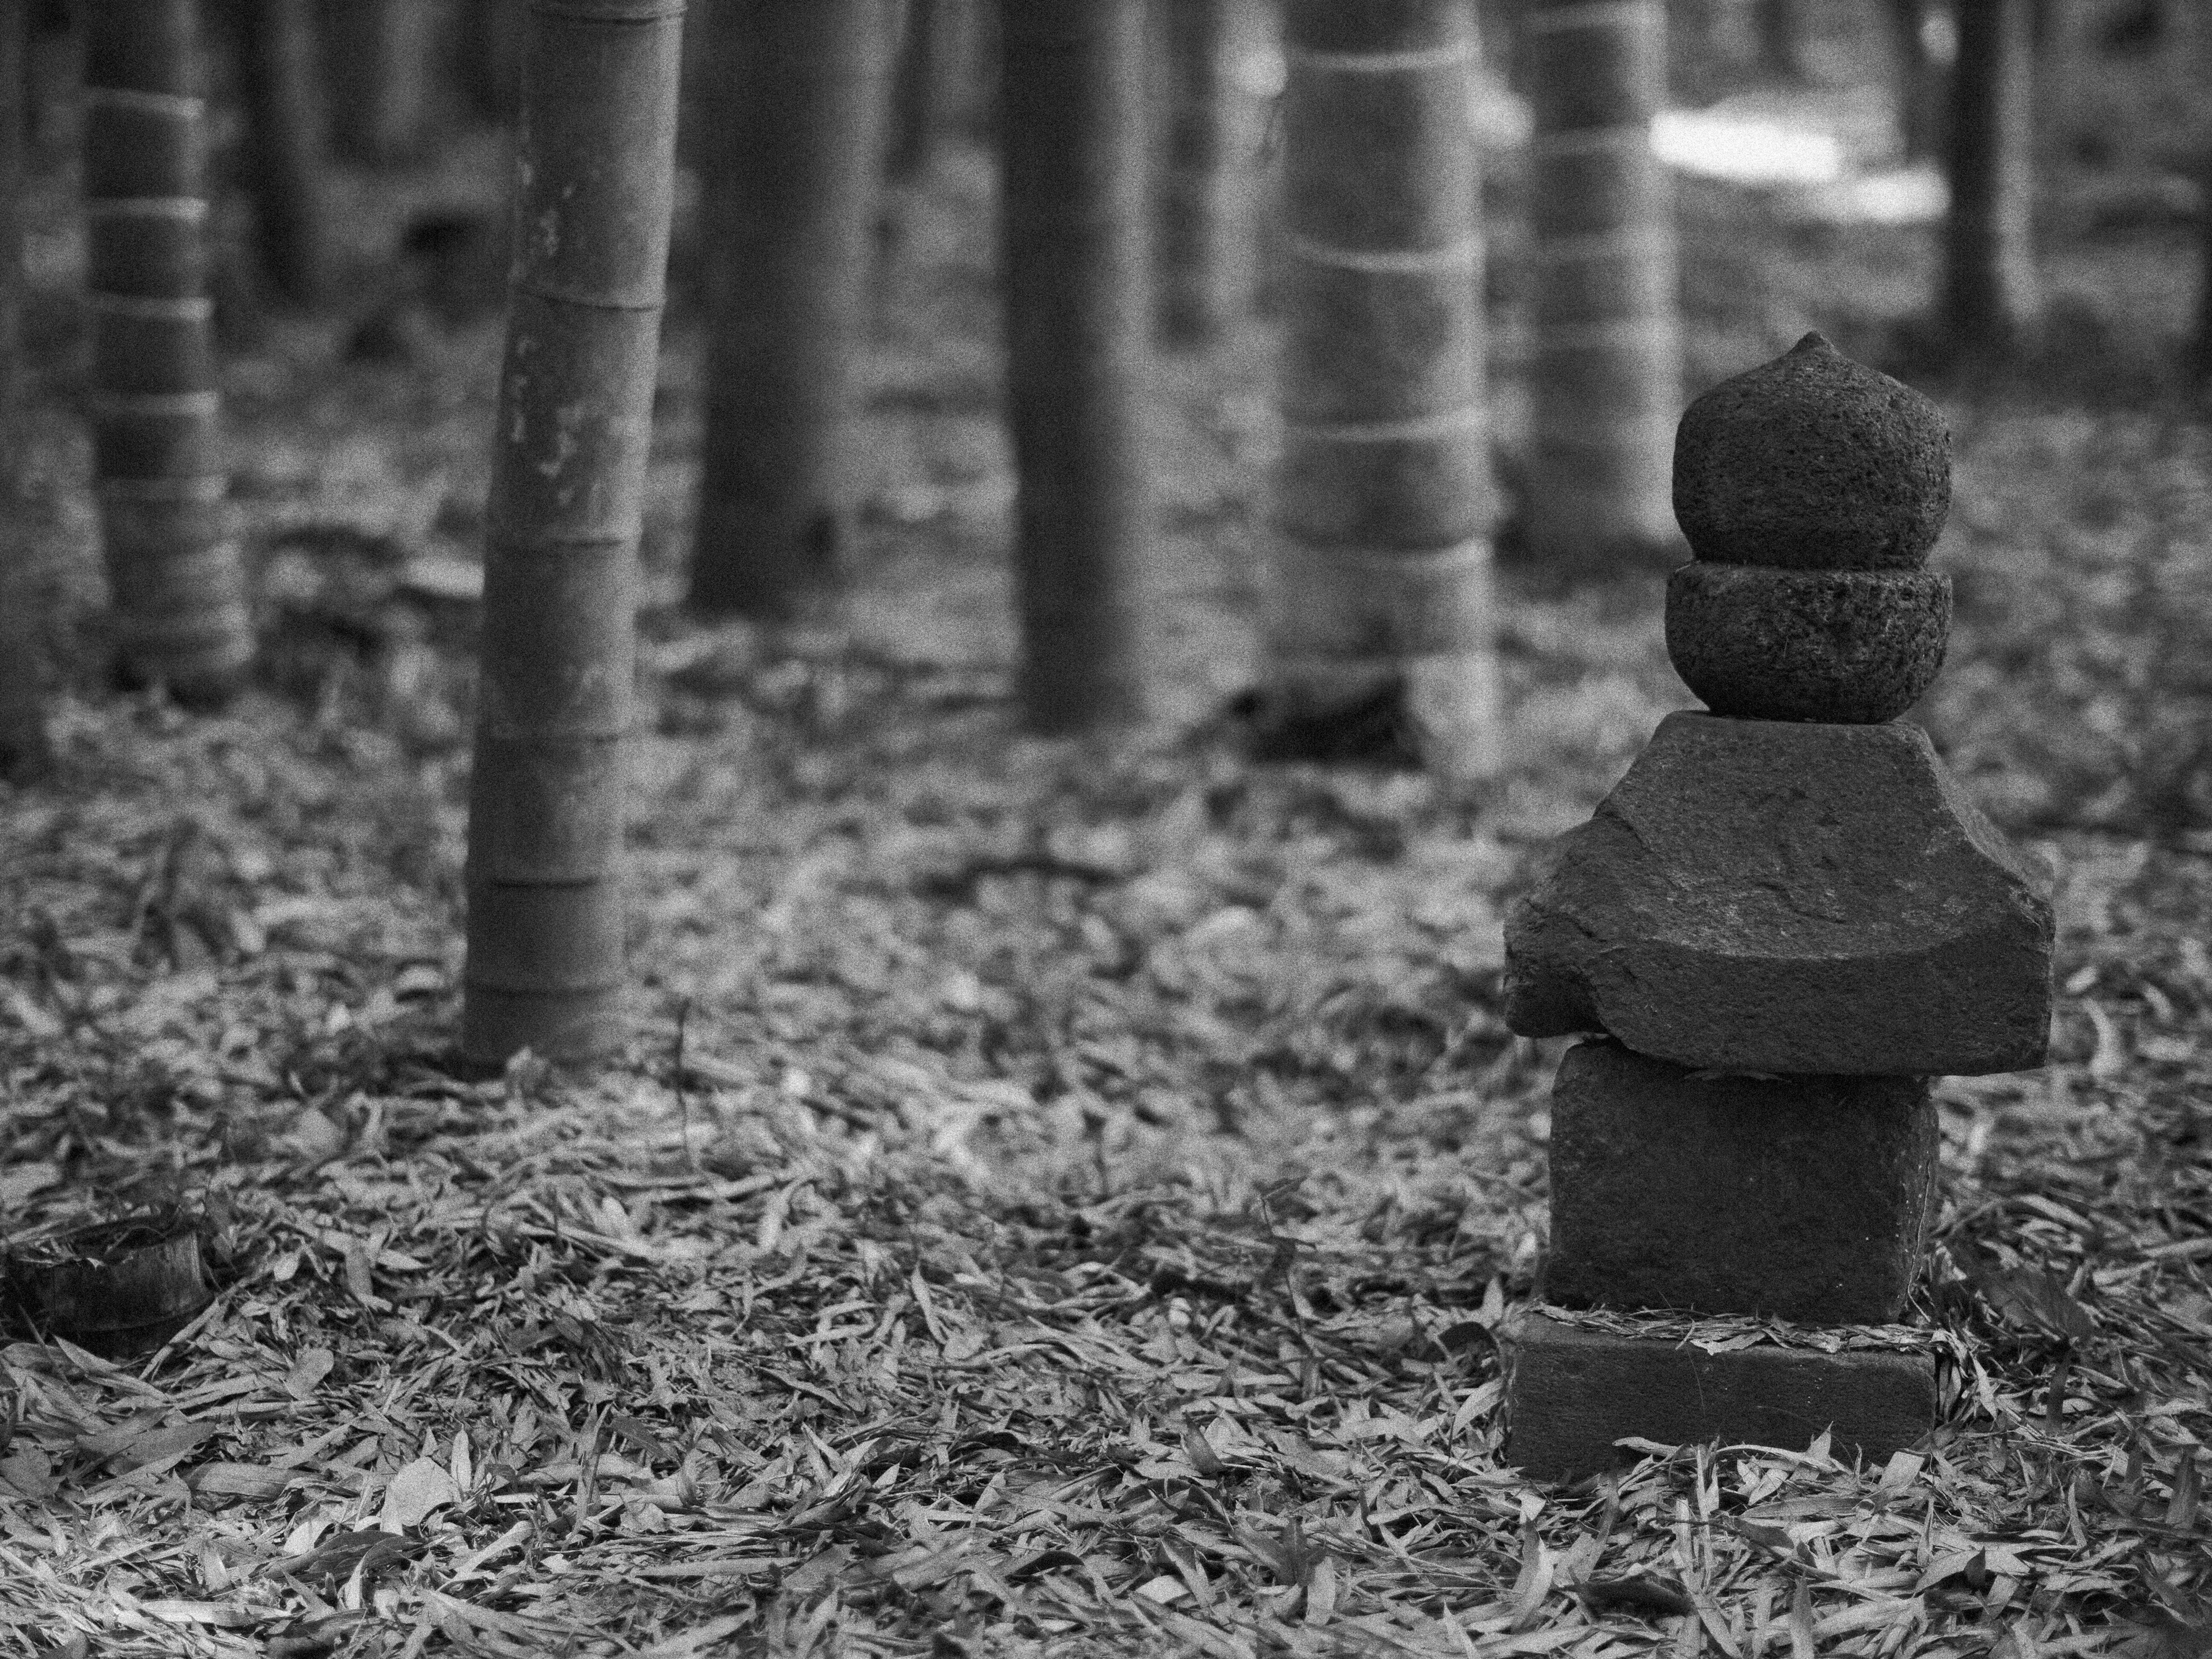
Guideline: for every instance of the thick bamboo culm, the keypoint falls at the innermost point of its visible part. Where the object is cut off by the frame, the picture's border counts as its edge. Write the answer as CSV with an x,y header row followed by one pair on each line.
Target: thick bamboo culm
x,y
277,62
1605,369
1378,569
1072,146
24,753
1989,286
595,172
794,104
173,567
1211,173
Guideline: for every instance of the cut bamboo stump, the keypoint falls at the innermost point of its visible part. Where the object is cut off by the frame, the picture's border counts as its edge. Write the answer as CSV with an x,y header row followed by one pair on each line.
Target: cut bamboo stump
x,y
116,1288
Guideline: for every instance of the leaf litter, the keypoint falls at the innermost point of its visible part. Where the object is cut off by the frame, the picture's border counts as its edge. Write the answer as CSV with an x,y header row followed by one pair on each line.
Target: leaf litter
x,y
1056,1202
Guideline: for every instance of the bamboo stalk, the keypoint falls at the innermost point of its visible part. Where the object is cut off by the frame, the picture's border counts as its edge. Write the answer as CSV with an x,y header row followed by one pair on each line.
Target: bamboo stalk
x,y
1989,292
1781,26
24,752
1916,77
1606,365
1378,574
922,94
284,124
491,72
171,553
381,61
1072,147
797,141
595,176
920,91
1211,177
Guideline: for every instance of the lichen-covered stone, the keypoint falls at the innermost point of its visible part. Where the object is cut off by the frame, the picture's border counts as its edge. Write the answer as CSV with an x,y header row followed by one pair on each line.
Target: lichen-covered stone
x,y
1854,646
1773,897
1813,461
1805,1198
1572,1393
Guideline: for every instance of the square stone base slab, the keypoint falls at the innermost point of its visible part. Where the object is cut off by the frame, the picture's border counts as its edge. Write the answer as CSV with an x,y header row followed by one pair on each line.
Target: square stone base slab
x,y
1572,1393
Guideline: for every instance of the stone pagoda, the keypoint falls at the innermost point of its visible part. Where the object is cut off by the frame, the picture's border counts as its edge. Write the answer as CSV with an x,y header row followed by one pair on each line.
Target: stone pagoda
x,y
1782,923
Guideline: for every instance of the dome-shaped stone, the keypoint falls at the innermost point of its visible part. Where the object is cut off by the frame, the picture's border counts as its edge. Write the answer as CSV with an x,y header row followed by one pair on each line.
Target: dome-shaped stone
x,y
1813,461
1854,646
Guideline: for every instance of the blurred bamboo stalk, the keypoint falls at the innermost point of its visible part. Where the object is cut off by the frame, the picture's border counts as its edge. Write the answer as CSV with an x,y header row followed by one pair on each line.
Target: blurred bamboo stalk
x,y
2199,362
1378,578
1990,292
596,166
921,89
490,49
1073,149
1781,24
284,130
1605,360
24,752
172,558
1918,79
794,105
1211,176
382,64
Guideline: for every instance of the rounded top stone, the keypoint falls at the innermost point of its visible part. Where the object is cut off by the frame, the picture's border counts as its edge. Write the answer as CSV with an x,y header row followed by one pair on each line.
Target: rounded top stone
x,y
1813,461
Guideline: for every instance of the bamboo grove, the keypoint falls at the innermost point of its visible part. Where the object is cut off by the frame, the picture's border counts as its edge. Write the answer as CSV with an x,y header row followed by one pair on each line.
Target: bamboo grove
x,y
1175,180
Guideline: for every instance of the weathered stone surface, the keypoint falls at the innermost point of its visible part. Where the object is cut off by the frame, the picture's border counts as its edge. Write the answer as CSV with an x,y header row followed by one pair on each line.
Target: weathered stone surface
x,y
1572,1393
1813,462
1854,646
1805,1197
1774,898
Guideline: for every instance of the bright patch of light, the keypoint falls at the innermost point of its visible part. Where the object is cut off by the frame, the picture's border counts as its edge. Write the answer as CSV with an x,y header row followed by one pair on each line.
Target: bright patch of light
x,y
1901,196
1748,150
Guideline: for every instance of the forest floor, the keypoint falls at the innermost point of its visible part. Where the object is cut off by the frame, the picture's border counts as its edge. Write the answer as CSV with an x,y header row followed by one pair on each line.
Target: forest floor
x,y
1058,1198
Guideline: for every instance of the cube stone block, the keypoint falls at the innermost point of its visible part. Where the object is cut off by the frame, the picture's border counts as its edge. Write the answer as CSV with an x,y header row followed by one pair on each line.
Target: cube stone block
x,y
1805,1197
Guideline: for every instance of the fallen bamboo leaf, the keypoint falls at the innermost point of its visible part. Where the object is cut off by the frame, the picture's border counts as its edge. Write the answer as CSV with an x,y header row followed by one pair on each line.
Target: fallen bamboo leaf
x,y
202,1612
1200,1452
240,1480
423,1486
1639,1593
307,1372
1320,1591
368,1548
688,1642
